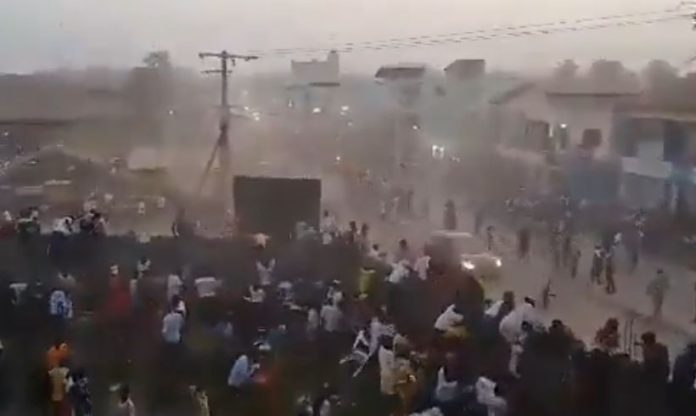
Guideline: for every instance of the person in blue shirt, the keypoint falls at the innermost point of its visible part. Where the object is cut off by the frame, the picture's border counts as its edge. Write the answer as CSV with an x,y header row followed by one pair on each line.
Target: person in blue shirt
x,y
242,372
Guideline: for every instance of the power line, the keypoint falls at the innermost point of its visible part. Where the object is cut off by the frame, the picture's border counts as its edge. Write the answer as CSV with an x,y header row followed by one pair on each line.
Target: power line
x,y
221,150
514,31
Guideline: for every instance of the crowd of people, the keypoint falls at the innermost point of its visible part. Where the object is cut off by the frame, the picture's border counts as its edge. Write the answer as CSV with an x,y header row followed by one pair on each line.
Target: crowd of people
x,y
373,331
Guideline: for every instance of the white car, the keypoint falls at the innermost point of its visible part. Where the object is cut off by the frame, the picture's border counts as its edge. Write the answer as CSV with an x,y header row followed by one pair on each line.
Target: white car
x,y
469,252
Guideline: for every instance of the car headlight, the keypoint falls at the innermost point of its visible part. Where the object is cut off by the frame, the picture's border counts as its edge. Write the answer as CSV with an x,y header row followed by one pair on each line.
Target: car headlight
x,y
498,263
468,265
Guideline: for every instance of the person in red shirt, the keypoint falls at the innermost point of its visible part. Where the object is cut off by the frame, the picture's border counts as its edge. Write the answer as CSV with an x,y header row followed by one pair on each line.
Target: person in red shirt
x,y
58,353
117,311
118,303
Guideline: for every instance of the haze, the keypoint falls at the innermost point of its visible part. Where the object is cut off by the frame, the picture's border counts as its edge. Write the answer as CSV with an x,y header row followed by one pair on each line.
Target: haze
x,y
47,34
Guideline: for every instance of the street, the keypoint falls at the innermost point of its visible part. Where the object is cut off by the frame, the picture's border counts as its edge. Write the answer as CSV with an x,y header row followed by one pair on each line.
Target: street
x,y
582,306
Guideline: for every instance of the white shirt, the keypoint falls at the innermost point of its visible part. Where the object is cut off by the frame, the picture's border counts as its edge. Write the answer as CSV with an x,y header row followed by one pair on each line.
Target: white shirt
x,y
448,319
206,286
174,286
421,266
485,394
387,378
63,226
265,272
257,295
379,329
312,320
331,317
241,372
335,296
511,326
328,225
172,324
399,273
493,310
445,391
362,344
181,308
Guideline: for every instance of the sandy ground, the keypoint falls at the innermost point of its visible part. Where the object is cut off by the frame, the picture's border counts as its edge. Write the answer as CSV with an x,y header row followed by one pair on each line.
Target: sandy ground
x,y
579,304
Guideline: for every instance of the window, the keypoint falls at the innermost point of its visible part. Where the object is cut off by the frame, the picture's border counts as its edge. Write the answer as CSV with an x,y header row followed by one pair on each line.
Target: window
x,y
561,136
537,135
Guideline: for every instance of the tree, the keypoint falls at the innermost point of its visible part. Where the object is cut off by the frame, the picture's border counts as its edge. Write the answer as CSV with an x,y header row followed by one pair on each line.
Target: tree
x,y
158,59
149,92
612,74
566,70
659,76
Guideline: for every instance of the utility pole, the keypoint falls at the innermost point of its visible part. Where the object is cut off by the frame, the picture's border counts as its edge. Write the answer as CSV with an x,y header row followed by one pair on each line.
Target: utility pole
x,y
222,146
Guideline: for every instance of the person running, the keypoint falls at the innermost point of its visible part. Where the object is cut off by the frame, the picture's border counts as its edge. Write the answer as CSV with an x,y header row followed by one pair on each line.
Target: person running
x,y
490,242
597,265
450,216
656,289
523,238
575,261
609,272
478,220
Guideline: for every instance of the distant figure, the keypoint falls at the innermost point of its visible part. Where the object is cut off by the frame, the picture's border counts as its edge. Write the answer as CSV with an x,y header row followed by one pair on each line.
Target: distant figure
x,y
656,289
450,216
404,253
609,272
597,265
694,302
328,227
142,208
575,261
523,237
478,220
489,237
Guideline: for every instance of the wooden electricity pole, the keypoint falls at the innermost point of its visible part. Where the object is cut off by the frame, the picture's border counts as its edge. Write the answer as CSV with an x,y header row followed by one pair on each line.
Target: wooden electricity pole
x,y
221,150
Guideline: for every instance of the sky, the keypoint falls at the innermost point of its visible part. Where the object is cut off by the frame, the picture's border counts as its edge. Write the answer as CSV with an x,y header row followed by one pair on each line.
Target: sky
x,y
50,34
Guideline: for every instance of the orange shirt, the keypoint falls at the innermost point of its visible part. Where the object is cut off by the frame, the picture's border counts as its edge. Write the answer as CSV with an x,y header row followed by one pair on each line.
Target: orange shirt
x,y
54,355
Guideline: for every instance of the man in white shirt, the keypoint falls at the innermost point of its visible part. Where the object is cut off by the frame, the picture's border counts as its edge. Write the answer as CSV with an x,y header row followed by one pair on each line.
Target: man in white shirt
x,y
328,228
265,272
449,319
511,325
174,286
331,317
421,266
399,272
486,394
172,325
